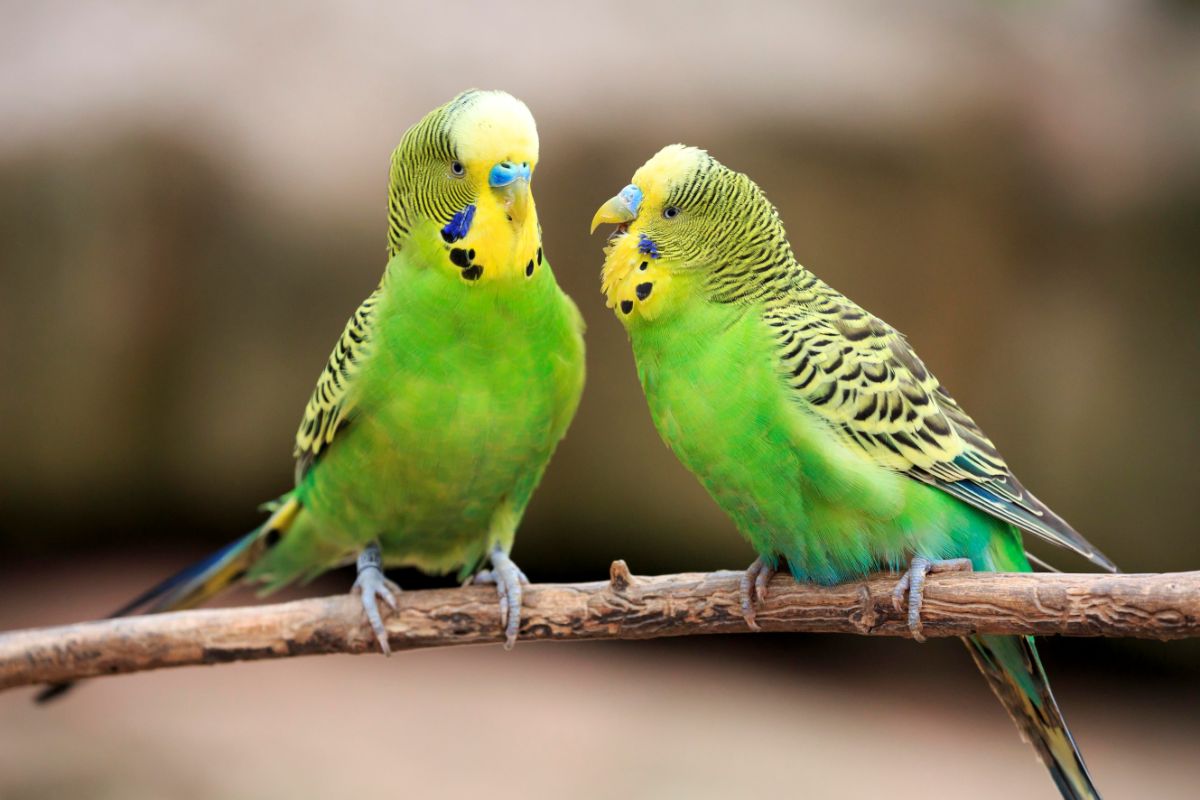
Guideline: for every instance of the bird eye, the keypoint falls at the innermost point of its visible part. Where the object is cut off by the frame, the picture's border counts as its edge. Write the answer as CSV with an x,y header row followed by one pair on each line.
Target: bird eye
x,y
670,212
457,169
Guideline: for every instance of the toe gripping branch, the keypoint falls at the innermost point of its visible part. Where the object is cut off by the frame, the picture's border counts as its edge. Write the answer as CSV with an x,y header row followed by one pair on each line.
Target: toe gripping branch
x,y
371,584
509,581
912,583
911,587
753,590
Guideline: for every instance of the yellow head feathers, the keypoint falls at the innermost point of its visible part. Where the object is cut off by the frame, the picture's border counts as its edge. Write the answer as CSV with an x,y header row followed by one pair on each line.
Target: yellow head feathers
x,y
692,223
489,127
671,167
460,184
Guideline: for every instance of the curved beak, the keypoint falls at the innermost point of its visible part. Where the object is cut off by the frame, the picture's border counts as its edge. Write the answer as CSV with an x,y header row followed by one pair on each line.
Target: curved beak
x,y
511,182
620,209
516,200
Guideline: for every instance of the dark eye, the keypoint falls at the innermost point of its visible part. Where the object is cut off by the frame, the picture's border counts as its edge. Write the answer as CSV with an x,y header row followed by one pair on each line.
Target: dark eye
x,y
457,169
670,212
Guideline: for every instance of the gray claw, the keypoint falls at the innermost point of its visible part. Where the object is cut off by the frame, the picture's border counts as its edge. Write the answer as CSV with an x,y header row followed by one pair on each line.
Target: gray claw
x,y
912,583
509,579
371,585
753,588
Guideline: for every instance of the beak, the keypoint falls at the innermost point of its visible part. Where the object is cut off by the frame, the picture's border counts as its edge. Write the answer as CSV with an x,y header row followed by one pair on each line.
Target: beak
x,y
511,181
619,210
516,200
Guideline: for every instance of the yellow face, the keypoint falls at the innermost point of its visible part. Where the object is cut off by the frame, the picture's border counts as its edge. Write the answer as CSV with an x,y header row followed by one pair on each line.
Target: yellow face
x,y
644,258
634,283
496,144
461,183
494,128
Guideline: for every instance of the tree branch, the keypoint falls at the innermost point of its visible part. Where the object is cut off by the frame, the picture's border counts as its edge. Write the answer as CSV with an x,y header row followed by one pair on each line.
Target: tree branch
x,y
1165,606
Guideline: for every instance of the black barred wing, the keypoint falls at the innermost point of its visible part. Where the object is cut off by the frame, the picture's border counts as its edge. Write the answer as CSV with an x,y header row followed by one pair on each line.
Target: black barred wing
x,y
332,402
861,376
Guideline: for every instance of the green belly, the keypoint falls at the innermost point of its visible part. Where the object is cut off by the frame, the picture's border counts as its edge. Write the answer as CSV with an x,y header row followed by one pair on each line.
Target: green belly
x,y
791,486
465,394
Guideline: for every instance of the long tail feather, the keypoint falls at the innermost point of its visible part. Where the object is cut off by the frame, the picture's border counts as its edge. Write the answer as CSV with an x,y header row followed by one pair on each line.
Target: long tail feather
x,y
198,582
1014,671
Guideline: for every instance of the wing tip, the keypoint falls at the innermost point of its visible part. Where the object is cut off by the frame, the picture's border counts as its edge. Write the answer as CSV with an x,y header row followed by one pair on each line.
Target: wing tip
x,y
1103,561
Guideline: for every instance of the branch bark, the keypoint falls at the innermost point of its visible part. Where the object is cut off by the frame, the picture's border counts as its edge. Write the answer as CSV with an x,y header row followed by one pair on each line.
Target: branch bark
x,y
1163,606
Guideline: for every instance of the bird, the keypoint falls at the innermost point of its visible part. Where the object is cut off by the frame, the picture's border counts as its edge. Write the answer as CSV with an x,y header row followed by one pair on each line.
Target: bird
x,y
445,396
813,424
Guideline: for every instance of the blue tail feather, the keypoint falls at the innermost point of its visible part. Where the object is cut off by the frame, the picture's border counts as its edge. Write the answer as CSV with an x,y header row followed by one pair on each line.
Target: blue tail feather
x,y
194,584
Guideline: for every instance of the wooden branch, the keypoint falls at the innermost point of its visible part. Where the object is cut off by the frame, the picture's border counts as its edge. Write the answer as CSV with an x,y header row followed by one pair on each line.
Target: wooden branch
x,y
1165,606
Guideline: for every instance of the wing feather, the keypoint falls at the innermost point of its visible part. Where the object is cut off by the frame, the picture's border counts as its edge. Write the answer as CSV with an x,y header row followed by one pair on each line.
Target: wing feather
x,y
860,375
331,405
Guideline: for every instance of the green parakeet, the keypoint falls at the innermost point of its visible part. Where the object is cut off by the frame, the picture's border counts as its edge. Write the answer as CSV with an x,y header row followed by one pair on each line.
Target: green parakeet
x,y
812,423
449,389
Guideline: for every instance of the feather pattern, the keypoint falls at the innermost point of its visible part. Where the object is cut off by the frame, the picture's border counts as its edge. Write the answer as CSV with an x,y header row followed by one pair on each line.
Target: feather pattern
x,y
332,401
859,375
442,401
841,365
812,423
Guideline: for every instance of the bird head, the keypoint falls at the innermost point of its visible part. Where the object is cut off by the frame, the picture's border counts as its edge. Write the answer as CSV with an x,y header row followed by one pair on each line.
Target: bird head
x,y
460,184
686,227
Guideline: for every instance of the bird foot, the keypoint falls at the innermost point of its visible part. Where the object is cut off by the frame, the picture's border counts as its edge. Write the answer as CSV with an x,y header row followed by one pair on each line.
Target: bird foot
x,y
912,583
509,579
371,585
754,589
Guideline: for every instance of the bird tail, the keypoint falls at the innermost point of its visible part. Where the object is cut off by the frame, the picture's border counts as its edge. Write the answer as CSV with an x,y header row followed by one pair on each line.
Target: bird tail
x,y
1014,671
194,584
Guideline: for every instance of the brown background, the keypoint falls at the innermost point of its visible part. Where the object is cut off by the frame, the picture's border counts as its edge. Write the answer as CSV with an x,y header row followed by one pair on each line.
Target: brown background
x,y
192,203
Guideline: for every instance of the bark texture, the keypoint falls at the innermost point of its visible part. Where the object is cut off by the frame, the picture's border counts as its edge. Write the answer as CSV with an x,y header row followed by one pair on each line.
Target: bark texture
x,y
1158,606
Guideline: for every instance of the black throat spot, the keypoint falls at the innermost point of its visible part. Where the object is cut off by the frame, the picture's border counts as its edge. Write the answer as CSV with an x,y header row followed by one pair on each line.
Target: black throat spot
x,y
464,259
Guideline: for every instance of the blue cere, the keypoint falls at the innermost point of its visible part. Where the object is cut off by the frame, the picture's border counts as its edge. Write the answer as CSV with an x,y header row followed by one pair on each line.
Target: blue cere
x,y
506,172
647,246
631,196
459,224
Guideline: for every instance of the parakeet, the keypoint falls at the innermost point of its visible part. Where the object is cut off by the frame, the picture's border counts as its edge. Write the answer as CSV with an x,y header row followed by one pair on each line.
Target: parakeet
x,y
812,423
443,400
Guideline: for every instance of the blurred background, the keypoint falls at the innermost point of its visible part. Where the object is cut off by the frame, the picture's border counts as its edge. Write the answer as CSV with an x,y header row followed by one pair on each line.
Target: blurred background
x,y
192,202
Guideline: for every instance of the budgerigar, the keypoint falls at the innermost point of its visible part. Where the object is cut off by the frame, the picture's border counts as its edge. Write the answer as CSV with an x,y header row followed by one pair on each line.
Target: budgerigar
x,y
447,393
812,423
